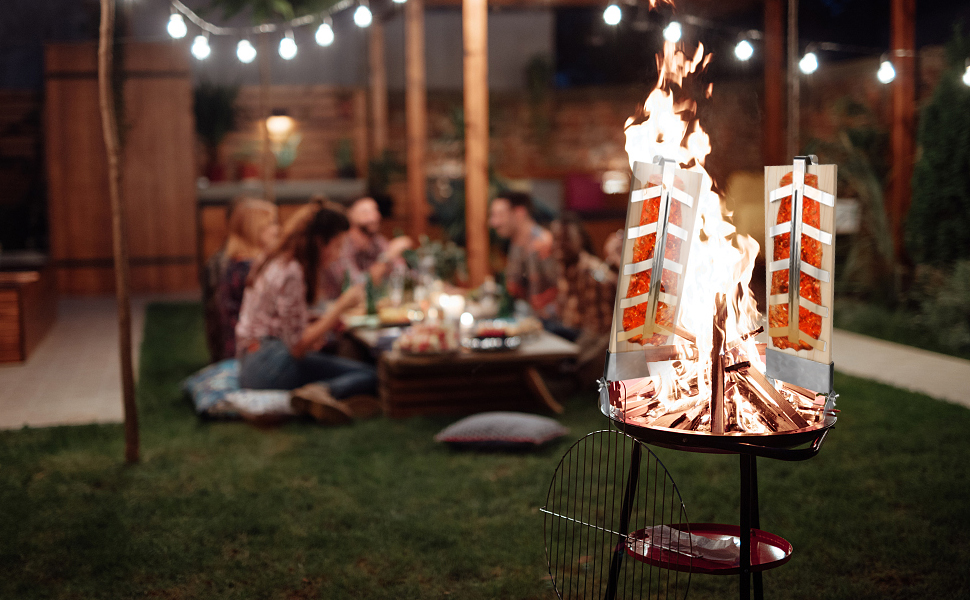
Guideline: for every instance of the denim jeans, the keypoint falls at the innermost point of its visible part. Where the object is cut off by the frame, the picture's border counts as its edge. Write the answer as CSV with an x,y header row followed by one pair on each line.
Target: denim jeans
x,y
272,367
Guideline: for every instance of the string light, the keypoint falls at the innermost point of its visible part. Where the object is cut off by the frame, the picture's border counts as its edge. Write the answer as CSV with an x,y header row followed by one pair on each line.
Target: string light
x,y
612,15
324,35
886,72
673,31
809,63
363,16
400,1
176,26
966,74
200,47
744,50
288,46
245,51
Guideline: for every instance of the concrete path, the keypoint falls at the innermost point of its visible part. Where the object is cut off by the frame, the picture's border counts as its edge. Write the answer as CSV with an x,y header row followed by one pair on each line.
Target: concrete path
x,y
937,375
73,376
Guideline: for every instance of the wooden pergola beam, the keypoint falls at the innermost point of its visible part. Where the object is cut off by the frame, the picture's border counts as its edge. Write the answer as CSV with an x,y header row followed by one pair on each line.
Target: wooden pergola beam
x,y
773,125
475,37
903,56
416,115
378,89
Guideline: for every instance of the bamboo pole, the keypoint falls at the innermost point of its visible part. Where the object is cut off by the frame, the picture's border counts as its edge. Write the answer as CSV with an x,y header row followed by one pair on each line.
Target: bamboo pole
x,y
269,161
475,30
378,88
119,225
904,118
773,128
416,108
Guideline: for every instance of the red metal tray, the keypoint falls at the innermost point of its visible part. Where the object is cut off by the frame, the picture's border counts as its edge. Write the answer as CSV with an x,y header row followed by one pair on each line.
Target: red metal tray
x,y
767,552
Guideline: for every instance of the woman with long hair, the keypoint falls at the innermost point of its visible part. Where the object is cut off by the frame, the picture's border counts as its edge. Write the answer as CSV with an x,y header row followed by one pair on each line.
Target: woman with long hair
x,y
276,340
253,231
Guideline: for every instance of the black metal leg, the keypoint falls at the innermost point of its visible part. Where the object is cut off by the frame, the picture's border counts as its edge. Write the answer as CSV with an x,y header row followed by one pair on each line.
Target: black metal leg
x,y
629,496
759,592
744,584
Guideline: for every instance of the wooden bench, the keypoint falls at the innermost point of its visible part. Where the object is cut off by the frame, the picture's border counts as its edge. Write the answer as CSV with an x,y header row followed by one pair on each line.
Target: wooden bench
x,y
28,308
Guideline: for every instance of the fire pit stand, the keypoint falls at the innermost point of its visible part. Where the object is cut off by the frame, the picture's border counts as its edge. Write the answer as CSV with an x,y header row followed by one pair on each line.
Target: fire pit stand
x,y
760,550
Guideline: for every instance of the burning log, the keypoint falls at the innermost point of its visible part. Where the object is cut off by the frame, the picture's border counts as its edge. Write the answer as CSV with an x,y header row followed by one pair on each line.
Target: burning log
x,y
768,400
717,366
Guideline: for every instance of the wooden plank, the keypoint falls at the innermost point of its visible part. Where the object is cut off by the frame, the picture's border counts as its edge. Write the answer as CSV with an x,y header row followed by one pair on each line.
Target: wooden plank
x,y
416,115
10,330
827,183
475,30
39,302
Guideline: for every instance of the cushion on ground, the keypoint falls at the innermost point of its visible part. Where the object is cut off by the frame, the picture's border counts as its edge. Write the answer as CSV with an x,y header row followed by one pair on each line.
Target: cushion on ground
x,y
501,431
260,402
209,387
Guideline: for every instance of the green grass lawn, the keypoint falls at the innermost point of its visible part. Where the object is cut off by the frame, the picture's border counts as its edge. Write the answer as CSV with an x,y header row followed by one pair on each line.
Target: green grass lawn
x,y
379,510
897,325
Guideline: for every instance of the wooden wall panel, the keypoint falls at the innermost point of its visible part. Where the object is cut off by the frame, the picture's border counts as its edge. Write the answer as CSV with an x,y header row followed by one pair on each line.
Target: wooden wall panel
x,y
158,177
9,326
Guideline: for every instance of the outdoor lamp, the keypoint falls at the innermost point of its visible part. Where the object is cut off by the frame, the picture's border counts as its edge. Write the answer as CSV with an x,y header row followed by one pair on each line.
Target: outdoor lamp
x,y
176,26
886,72
324,35
279,125
245,51
744,50
612,15
200,47
809,63
363,16
673,31
287,46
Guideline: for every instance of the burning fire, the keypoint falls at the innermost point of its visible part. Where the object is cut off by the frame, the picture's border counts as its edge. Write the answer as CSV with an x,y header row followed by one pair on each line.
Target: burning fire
x,y
717,279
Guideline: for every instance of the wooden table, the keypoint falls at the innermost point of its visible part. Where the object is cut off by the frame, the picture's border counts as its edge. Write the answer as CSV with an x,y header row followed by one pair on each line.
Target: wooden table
x,y
467,382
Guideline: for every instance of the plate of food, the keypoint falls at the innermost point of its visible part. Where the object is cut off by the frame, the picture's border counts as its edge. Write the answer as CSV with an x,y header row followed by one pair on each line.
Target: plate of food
x,y
428,339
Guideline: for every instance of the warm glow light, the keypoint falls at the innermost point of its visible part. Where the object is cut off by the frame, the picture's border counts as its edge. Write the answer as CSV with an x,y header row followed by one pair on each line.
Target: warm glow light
x,y
245,51
200,47
673,31
363,16
176,26
966,76
744,50
467,319
279,126
612,15
287,46
886,72
809,63
324,34
400,1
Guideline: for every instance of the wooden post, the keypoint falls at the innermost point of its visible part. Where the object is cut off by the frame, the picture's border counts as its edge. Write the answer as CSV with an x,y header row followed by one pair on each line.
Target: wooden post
x,y
794,90
773,126
903,57
109,127
417,118
378,89
269,161
475,35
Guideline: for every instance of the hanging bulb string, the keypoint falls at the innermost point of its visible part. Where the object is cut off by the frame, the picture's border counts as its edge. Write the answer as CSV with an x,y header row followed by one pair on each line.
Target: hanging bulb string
x,y
263,28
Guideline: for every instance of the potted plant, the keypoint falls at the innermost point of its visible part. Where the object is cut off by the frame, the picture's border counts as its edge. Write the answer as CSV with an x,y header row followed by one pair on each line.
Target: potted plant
x,y
215,117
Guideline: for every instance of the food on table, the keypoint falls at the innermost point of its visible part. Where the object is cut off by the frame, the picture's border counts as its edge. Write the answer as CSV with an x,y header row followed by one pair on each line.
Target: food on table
x,y
427,338
809,287
393,314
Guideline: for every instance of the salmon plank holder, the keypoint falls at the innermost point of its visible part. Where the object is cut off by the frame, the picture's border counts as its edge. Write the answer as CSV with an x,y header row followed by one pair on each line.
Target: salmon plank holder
x,y
657,239
800,223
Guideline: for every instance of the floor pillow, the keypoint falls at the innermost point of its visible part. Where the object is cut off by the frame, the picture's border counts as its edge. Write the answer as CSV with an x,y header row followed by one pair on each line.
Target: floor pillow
x,y
209,386
501,431
262,407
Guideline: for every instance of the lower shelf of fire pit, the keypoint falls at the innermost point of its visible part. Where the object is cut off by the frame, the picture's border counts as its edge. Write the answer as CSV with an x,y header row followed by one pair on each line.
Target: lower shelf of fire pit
x,y
767,552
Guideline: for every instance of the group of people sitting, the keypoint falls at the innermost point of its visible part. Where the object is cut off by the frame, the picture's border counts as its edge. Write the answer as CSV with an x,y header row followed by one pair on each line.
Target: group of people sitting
x,y
262,288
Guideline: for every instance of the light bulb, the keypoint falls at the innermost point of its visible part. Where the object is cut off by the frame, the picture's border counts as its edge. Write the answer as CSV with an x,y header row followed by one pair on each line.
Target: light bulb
x,y
612,14
287,46
324,34
200,47
744,50
363,16
673,31
966,76
809,63
886,72
176,26
245,51
400,1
